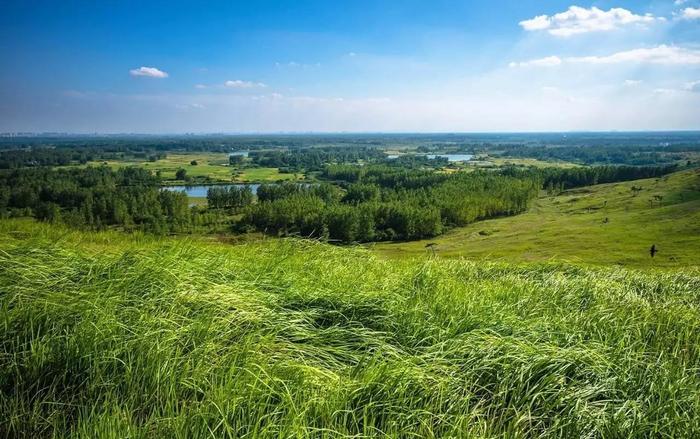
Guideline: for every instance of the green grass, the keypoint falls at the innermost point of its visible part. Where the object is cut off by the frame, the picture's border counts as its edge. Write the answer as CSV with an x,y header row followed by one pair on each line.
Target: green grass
x,y
211,165
266,174
512,161
572,227
109,335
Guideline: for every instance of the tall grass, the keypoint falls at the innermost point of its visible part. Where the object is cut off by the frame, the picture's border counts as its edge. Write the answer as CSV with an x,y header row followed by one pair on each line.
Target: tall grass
x,y
108,336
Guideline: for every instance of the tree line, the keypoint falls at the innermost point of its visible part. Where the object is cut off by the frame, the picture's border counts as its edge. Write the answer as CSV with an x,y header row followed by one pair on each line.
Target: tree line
x,y
567,178
634,155
311,159
232,197
94,197
383,204
38,157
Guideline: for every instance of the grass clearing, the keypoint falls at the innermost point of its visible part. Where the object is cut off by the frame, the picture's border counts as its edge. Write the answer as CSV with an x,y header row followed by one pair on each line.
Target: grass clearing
x,y
112,335
266,174
512,161
209,165
603,224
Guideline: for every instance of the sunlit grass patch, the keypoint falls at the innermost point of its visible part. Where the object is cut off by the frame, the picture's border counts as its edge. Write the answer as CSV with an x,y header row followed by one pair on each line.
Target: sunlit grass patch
x,y
112,335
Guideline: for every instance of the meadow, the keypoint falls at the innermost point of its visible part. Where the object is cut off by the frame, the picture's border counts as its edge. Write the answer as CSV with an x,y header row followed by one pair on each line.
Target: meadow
x,y
607,224
111,335
210,165
531,312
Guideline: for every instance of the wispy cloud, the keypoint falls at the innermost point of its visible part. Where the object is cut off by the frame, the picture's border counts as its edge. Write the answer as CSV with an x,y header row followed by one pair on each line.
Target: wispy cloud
x,y
296,65
693,86
550,61
660,55
578,20
150,72
237,83
663,54
194,106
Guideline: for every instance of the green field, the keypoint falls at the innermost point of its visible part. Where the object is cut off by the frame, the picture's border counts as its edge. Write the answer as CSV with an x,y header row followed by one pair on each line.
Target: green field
x,y
113,335
212,165
511,161
265,174
573,227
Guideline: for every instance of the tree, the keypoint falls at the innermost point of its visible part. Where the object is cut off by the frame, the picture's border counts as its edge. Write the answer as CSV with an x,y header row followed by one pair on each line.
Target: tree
x,y
235,159
194,163
181,174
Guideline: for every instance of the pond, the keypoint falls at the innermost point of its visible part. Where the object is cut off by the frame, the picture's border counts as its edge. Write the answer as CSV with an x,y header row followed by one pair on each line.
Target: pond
x,y
239,153
453,157
200,191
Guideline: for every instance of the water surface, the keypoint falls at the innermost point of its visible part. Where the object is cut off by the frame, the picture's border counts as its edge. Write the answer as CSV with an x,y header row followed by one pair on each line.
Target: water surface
x,y
200,190
452,157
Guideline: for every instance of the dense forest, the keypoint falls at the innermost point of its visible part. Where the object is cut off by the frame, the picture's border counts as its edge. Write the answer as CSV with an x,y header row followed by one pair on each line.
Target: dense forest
x,y
95,197
635,155
36,157
554,179
382,205
313,159
229,197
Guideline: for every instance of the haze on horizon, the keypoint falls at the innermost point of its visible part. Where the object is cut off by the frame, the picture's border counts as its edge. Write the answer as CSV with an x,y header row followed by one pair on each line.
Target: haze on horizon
x,y
370,66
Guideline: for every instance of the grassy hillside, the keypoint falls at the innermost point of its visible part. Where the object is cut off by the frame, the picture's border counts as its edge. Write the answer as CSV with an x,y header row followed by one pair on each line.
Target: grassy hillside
x,y
603,224
108,335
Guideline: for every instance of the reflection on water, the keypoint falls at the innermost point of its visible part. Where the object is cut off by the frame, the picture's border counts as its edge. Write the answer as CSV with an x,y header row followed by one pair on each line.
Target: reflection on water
x,y
200,191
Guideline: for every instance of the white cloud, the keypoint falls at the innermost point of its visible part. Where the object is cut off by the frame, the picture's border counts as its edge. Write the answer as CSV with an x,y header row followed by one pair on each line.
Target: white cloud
x,y
680,2
632,82
237,83
693,86
661,55
691,13
666,91
150,72
200,86
190,106
578,20
540,22
550,61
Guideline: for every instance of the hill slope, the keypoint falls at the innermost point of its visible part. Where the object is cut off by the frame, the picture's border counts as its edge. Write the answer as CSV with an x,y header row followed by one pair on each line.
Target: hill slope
x,y
105,335
603,224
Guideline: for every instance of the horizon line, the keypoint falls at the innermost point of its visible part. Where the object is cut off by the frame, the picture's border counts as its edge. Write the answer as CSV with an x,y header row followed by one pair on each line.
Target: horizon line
x,y
16,134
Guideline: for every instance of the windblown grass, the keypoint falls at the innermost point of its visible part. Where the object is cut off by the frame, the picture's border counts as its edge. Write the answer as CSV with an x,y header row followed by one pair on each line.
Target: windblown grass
x,y
105,335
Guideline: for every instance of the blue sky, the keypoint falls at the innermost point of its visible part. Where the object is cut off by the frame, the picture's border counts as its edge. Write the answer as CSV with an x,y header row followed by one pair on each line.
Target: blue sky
x,y
264,66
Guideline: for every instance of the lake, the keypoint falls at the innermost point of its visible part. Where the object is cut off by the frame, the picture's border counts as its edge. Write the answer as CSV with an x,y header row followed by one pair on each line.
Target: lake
x,y
450,157
453,157
200,191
